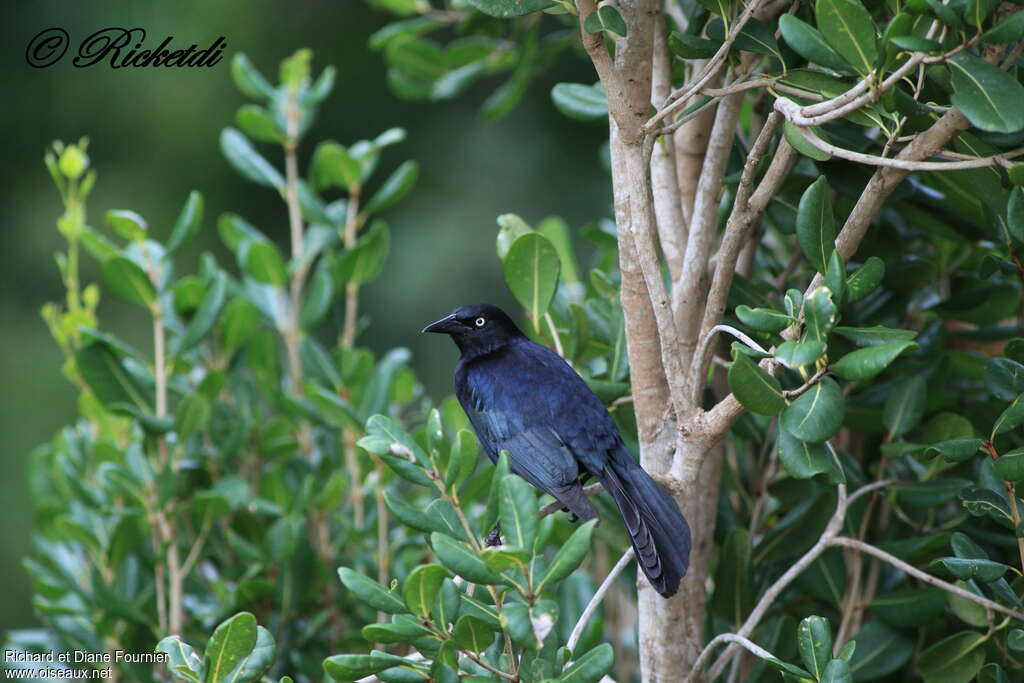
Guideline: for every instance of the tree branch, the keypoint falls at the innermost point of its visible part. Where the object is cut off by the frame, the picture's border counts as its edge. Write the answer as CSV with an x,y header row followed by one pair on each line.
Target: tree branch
x,y
577,631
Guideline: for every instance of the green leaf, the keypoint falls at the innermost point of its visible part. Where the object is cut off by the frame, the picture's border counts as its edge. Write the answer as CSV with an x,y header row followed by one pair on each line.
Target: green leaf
x,y
758,391
864,280
1010,466
365,260
318,296
404,631
915,43
838,671
394,188
874,336
763,319
372,593
352,667
127,224
517,510
817,414
1009,30
591,667
248,79
460,558
1015,207
966,569
810,44
580,102
421,587
504,9
956,449
955,659
531,270
866,363
106,376
689,46
992,673
569,556
909,607
333,166
820,315
263,262
252,668
905,406
605,18
256,122
734,585
880,651
798,354
1010,418
473,634
128,281
247,161
206,315
515,621
815,222
1004,378
184,663
187,225
803,459
229,645
192,415
988,96
814,639
799,142
847,26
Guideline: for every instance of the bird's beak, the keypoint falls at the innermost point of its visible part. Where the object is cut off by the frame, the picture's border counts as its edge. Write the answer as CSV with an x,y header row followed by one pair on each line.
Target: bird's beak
x,y
445,325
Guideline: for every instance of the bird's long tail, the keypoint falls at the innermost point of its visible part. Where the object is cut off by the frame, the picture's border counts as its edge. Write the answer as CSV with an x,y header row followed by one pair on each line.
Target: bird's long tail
x,y
660,534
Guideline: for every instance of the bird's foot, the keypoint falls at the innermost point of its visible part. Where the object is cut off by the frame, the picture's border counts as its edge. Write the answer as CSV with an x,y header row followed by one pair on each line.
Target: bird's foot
x,y
493,538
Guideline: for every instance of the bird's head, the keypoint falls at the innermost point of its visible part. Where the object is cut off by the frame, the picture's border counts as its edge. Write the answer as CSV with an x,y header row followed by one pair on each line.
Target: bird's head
x,y
477,329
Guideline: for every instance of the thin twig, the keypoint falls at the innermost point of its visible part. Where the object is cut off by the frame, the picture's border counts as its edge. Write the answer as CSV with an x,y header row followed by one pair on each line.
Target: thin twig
x,y
577,631
756,649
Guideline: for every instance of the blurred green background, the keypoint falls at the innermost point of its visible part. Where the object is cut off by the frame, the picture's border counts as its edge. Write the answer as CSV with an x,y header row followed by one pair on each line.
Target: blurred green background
x,y
153,138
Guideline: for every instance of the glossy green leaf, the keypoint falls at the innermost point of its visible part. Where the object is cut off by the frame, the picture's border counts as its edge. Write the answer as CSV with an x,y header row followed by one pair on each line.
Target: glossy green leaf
x,y
1010,418
814,642
473,634
590,667
394,188
810,44
128,281
880,651
186,227
184,663
815,222
817,414
206,315
803,459
256,122
763,319
108,379
372,593
1010,466
420,588
798,141
758,391
905,405
838,671
531,270
352,667
263,262
798,354
988,96
874,336
230,644
966,569
333,166
127,224
517,508
847,26
580,102
1008,30
248,79
1004,378
504,9
820,315
252,668
569,556
364,262
461,559
606,18
955,659
866,363
734,585
247,161
864,280
1015,207
909,607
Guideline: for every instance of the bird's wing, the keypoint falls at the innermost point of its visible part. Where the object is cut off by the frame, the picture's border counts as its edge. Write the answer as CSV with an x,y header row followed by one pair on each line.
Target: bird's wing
x,y
530,403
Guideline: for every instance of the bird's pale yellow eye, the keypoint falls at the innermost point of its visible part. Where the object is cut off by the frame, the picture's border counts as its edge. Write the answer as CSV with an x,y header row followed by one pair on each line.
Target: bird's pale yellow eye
x,y
480,322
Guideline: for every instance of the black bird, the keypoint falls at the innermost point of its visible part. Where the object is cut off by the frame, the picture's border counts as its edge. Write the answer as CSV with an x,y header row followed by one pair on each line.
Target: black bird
x,y
521,397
